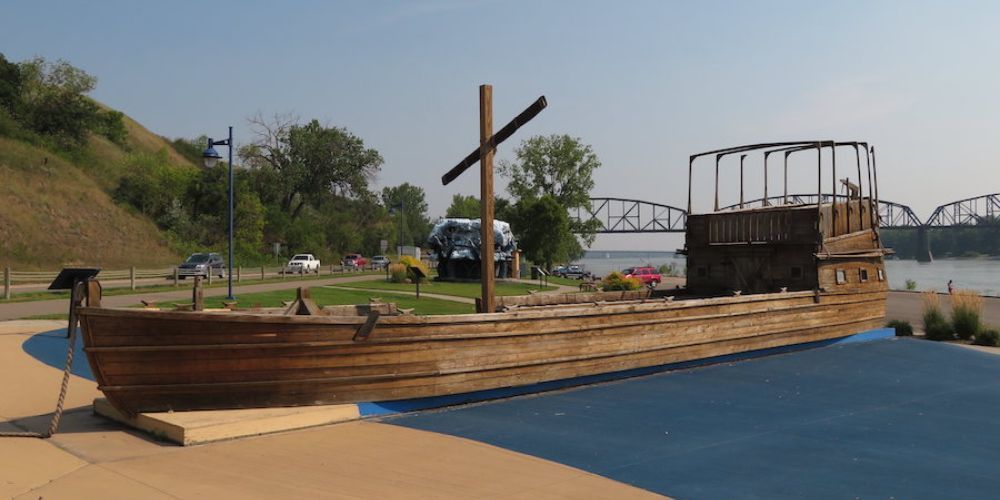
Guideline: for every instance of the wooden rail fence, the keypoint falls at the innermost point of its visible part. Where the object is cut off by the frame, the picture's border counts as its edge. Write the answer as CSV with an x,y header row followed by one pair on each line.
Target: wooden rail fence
x,y
129,277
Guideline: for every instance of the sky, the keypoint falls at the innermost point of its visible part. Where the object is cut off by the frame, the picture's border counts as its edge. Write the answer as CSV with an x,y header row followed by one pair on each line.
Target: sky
x,y
645,83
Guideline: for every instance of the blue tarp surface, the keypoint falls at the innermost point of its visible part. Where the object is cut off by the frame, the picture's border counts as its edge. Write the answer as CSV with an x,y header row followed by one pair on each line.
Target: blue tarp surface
x,y
899,418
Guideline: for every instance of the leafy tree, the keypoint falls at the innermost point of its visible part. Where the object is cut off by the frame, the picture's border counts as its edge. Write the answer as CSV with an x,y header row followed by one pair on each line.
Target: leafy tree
x,y
53,99
411,200
10,84
463,206
560,167
557,165
544,230
298,165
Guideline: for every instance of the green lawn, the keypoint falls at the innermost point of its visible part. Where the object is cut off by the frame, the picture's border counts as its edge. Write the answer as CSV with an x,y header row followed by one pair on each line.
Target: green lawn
x,y
182,284
469,290
332,296
556,280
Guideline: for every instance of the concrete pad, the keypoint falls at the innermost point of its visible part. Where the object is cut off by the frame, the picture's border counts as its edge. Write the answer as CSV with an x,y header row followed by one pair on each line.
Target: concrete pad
x,y
96,439
93,481
363,460
196,427
31,387
30,326
27,463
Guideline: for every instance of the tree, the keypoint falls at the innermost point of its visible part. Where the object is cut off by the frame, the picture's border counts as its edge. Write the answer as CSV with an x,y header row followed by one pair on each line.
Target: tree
x,y
409,199
544,230
557,165
561,167
296,165
10,84
463,206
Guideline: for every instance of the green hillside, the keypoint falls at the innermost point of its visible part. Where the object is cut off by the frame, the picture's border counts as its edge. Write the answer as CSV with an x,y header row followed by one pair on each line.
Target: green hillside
x,y
56,212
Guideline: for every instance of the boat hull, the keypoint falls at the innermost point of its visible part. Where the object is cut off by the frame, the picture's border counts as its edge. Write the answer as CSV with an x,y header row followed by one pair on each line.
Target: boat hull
x,y
160,361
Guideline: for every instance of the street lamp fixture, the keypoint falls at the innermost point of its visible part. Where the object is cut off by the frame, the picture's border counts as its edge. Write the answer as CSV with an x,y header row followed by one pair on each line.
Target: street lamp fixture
x,y
211,157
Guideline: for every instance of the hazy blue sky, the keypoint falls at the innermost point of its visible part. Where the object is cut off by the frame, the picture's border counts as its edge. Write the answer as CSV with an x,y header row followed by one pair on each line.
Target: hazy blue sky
x,y
646,83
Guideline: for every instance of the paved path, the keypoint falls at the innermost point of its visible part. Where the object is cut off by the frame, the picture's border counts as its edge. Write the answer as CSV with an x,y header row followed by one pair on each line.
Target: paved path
x,y
909,306
39,307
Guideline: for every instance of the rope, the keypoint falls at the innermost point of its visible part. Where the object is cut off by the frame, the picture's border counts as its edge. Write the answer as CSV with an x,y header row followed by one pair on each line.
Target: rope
x,y
57,416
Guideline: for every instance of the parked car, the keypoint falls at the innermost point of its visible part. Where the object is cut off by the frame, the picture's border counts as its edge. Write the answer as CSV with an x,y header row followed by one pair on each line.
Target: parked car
x,y
202,264
354,260
575,271
303,263
380,262
647,274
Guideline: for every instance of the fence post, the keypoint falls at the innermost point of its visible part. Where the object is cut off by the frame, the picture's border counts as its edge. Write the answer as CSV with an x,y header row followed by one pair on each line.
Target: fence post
x,y
6,283
239,273
176,276
131,277
262,273
209,274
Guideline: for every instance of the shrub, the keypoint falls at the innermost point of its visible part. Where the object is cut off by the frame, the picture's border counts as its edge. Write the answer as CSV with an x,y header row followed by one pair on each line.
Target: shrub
x,y
911,285
966,308
668,269
987,336
397,272
616,281
408,261
936,327
903,328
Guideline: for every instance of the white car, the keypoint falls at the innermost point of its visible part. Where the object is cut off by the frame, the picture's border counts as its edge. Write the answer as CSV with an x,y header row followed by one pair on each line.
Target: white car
x,y
303,263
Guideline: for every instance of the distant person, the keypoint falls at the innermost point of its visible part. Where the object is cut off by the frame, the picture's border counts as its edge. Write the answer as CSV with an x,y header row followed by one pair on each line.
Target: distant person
x,y
951,287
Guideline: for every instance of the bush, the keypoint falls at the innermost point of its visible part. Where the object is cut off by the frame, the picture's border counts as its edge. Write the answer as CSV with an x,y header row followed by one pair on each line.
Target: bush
x,y
936,327
911,285
408,261
397,272
668,269
987,336
616,281
903,328
966,307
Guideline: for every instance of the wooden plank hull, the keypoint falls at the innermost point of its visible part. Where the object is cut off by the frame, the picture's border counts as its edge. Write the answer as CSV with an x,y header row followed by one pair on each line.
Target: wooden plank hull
x,y
158,361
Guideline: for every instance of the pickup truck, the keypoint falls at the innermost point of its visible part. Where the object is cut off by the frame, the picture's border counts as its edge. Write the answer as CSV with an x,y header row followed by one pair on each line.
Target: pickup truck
x,y
647,274
303,263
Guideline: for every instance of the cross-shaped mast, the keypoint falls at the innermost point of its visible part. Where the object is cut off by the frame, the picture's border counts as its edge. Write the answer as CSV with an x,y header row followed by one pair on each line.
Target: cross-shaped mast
x,y
488,142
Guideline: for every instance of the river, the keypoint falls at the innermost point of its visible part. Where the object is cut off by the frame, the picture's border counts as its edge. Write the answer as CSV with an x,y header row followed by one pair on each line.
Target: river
x,y
982,275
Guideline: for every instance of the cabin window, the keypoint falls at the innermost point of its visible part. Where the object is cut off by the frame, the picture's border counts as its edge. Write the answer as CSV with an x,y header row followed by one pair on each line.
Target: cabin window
x,y
796,272
863,274
881,275
841,276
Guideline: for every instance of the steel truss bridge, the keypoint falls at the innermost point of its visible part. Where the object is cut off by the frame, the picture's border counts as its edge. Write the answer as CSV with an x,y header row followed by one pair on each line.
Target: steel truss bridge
x,y
622,215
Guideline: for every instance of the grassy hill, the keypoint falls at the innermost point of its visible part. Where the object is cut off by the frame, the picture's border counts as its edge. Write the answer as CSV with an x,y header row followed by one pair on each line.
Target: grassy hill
x,y
56,210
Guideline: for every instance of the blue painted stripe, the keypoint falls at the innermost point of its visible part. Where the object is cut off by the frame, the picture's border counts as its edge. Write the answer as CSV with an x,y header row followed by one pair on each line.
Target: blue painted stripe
x,y
407,405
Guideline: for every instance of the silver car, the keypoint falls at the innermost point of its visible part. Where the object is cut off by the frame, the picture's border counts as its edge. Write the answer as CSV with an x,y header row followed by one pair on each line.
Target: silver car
x,y
202,264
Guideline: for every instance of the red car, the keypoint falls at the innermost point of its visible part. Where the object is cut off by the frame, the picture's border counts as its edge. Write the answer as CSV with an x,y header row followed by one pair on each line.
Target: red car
x,y
354,260
647,274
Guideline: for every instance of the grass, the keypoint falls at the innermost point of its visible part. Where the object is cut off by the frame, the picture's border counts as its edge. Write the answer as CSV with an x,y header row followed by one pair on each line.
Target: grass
x,y
558,280
183,284
333,296
469,290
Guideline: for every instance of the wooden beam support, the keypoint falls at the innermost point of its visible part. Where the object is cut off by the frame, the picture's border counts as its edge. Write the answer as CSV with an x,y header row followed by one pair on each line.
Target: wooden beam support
x,y
486,149
504,134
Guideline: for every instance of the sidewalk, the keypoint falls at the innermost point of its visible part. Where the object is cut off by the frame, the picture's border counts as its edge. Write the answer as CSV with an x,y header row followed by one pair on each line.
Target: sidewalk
x,y
92,457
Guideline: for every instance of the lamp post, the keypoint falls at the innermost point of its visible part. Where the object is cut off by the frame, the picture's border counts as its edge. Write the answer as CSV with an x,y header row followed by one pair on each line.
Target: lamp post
x,y
398,209
211,157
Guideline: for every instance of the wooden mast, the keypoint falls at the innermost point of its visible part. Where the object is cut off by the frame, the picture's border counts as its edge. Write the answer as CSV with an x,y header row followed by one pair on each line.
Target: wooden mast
x,y
486,150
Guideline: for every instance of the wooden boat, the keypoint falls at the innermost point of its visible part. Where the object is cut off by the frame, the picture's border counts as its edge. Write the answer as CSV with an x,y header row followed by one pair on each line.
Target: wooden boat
x,y
758,277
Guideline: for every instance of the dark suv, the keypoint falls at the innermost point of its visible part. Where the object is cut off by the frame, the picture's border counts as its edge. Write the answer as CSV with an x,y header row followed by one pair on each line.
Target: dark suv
x,y
202,264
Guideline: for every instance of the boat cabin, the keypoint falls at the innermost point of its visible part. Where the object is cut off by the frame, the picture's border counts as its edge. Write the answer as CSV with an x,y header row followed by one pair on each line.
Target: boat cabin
x,y
823,241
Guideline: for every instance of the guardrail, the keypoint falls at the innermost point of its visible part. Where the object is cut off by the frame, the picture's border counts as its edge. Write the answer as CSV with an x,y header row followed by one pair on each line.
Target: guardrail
x,y
129,277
